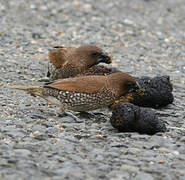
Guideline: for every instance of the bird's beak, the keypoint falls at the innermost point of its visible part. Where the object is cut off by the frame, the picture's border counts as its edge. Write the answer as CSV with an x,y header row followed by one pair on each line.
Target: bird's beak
x,y
135,88
105,58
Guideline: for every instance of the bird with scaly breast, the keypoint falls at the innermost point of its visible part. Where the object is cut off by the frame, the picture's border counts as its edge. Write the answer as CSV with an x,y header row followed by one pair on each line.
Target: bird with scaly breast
x,y
68,62
84,93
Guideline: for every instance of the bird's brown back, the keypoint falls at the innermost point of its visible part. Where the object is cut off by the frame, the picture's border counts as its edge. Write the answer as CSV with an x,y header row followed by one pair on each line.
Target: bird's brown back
x,y
116,82
77,57
59,56
83,84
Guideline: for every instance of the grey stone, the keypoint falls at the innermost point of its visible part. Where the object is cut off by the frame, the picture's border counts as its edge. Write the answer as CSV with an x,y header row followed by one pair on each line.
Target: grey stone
x,y
143,176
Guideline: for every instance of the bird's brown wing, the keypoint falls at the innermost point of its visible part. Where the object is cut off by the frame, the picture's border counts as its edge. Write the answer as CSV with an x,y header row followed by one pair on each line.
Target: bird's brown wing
x,y
59,56
84,84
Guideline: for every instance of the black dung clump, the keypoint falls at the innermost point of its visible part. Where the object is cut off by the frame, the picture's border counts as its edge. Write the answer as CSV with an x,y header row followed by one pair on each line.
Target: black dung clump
x,y
127,117
157,92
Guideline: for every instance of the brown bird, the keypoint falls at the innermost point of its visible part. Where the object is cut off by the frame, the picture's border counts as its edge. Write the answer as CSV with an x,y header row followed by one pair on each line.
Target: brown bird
x,y
69,61
84,93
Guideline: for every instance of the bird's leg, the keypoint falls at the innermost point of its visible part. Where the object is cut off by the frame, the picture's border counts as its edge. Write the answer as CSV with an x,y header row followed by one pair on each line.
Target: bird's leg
x,y
70,114
90,114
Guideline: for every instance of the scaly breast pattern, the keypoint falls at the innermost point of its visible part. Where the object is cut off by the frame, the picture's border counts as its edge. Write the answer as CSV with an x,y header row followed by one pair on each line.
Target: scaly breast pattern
x,y
76,101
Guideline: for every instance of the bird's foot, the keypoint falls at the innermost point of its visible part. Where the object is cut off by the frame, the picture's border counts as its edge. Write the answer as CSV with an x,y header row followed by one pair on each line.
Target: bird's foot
x,y
87,115
70,114
90,115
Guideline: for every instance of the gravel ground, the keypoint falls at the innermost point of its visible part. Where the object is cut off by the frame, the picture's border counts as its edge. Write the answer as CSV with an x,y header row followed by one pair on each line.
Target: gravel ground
x,y
145,37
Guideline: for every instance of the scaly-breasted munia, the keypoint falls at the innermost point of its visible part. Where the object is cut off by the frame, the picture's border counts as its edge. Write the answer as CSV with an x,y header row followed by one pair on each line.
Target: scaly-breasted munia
x,y
67,62
84,93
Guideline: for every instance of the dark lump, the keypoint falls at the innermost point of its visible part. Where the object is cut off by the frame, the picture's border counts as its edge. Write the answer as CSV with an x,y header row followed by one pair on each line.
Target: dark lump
x,y
127,117
157,92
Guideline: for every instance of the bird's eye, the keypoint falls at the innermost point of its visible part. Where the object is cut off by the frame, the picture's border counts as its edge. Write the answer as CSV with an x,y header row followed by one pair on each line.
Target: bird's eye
x,y
130,85
95,53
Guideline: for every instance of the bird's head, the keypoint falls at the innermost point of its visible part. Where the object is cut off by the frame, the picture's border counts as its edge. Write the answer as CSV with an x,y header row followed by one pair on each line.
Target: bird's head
x,y
124,83
93,55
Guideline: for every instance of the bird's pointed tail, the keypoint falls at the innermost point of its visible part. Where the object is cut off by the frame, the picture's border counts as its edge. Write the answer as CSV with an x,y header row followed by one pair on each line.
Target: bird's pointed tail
x,y
34,90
